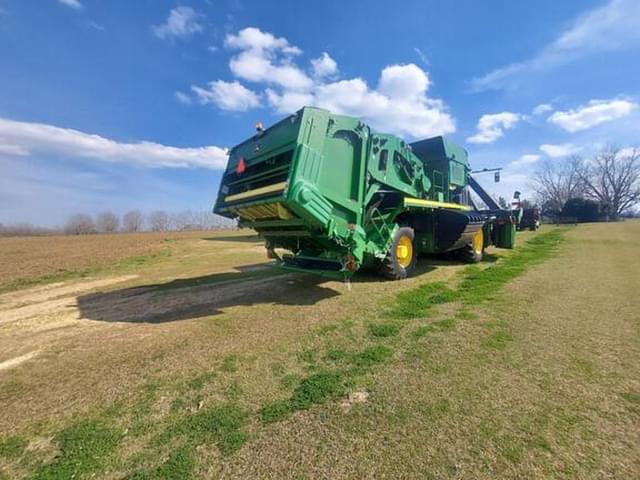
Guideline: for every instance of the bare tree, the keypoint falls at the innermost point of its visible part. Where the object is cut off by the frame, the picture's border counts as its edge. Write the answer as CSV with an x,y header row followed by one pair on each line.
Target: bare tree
x,y
80,224
158,221
182,220
556,182
107,222
25,229
612,178
132,221
190,220
503,202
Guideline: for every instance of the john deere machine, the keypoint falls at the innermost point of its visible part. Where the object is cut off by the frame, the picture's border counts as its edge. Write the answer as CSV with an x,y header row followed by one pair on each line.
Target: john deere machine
x,y
337,197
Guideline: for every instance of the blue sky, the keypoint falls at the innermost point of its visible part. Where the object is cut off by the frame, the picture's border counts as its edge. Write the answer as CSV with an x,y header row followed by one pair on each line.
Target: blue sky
x,y
117,104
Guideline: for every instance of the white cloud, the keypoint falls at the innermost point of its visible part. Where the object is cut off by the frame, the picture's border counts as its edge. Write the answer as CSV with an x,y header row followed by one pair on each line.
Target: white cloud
x,y
38,137
595,113
288,101
542,109
559,150
399,103
72,3
253,38
228,96
12,150
403,82
266,58
492,126
525,160
183,98
182,22
613,26
324,66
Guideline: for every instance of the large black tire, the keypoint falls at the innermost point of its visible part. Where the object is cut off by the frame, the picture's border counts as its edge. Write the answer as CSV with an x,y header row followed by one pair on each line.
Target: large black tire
x,y
473,252
397,266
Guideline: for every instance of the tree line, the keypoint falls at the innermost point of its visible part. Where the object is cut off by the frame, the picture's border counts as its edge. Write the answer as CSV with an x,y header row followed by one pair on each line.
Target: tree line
x,y
130,222
603,187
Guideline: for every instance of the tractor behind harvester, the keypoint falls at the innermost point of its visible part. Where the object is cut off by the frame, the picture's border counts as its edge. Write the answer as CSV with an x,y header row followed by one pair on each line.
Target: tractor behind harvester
x,y
338,197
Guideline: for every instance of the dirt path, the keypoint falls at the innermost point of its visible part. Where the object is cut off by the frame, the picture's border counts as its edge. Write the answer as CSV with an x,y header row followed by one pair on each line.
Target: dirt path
x,y
36,318
43,317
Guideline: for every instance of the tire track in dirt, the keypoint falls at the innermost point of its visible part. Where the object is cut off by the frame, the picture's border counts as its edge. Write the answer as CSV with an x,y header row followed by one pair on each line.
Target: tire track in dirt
x,y
36,295
35,318
14,362
45,319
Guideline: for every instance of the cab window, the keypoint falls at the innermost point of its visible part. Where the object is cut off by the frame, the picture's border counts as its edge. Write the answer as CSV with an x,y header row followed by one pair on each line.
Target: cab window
x,y
382,160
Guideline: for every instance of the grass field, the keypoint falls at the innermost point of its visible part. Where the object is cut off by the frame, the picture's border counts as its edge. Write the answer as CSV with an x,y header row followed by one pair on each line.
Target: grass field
x,y
193,358
35,260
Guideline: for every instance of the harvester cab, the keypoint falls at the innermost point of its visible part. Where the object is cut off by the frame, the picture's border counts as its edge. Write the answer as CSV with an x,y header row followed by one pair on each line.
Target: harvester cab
x,y
336,197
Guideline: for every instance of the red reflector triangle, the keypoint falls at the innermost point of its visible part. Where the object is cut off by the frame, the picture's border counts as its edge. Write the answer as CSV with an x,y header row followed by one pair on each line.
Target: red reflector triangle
x,y
241,167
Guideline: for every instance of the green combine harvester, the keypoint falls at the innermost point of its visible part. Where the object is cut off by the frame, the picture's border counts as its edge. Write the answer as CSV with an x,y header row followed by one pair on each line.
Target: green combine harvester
x,y
339,197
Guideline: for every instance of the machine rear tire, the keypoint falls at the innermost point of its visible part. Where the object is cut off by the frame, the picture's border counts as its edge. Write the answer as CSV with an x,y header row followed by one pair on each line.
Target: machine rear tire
x,y
402,255
473,252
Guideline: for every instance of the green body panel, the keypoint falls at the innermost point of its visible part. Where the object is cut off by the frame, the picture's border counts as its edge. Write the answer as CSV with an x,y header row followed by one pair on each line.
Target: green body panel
x,y
331,191
505,235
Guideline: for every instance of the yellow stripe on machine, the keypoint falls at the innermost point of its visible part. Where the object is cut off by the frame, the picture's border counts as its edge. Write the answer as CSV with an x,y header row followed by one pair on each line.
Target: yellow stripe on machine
x,y
418,202
254,193
266,211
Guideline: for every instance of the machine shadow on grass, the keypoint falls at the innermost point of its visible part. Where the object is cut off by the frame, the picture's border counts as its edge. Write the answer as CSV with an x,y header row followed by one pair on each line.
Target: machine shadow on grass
x,y
248,238
188,298
207,295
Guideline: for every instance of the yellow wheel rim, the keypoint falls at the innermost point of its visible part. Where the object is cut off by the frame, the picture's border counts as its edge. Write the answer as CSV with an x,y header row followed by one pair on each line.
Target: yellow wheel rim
x,y
404,251
478,242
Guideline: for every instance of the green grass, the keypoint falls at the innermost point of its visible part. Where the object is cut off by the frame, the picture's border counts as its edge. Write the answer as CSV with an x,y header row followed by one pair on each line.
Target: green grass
x,y
12,447
337,355
371,356
229,364
290,380
142,409
632,401
383,330
180,464
445,324
318,388
276,411
478,284
222,425
422,331
200,380
328,384
437,409
308,356
314,389
410,304
631,397
84,448
498,340
418,302
126,264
